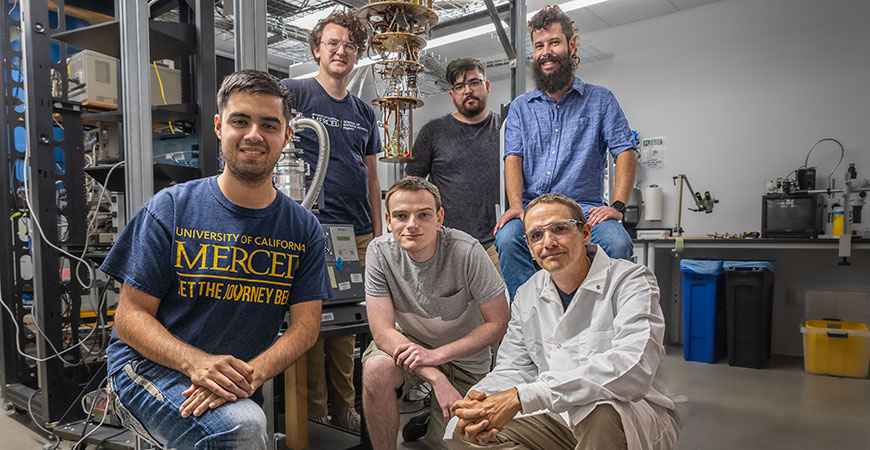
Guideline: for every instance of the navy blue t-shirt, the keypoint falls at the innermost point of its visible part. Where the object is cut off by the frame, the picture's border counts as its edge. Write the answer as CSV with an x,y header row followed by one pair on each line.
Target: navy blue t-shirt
x,y
225,274
565,297
353,135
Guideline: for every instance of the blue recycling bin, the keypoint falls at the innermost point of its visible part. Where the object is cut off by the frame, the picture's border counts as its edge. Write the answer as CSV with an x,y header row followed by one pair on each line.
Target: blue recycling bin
x,y
704,321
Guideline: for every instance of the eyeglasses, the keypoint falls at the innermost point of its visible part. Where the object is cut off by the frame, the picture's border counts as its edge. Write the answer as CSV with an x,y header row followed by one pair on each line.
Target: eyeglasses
x,y
473,83
556,229
349,47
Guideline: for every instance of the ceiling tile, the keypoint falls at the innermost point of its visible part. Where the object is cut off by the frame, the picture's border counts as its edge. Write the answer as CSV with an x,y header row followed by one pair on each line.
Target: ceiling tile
x,y
621,12
586,21
685,4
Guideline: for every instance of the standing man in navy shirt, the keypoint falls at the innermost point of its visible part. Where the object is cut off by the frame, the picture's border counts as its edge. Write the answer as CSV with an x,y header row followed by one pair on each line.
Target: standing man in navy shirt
x,y
210,268
352,192
556,141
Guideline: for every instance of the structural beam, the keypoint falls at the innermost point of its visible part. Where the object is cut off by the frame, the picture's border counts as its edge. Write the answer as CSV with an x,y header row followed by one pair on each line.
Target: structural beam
x,y
136,103
518,36
502,36
250,33
206,87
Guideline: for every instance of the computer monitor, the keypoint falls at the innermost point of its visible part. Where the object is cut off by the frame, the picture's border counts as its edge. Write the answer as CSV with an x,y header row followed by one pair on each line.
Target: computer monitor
x,y
791,216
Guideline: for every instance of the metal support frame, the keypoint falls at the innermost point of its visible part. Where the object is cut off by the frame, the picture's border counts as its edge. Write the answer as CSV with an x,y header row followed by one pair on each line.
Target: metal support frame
x,y
206,89
502,36
136,103
13,369
54,143
38,116
250,34
518,37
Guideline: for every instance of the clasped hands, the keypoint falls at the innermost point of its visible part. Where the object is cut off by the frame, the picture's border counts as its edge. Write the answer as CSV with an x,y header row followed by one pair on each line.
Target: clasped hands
x,y
481,417
410,356
424,362
217,379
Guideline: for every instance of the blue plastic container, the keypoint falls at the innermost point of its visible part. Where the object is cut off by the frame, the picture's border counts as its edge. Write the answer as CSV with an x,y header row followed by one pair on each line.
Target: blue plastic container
x,y
704,321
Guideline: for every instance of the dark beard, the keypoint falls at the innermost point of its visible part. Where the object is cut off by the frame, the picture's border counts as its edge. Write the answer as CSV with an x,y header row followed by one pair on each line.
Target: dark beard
x,y
560,78
471,112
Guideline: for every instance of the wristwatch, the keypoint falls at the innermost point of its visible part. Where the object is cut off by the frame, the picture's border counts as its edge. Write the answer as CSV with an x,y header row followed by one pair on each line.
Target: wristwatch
x,y
619,206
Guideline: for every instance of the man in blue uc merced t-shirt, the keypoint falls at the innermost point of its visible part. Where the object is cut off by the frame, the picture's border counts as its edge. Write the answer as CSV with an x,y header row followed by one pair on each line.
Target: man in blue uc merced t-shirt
x,y
209,269
556,141
351,190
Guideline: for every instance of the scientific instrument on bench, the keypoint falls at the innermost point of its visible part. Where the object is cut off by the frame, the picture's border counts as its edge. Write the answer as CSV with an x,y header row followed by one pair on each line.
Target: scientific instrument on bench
x,y
795,208
93,81
396,26
291,170
343,264
791,215
704,202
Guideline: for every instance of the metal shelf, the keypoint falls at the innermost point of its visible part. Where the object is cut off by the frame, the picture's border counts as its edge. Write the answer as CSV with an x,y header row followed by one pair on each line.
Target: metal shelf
x,y
159,113
168,40
164,175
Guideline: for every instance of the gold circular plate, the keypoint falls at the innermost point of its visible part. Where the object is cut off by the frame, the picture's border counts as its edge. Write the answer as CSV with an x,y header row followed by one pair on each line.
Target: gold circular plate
x,y
398,100
398,67
419,14
397,42
395,159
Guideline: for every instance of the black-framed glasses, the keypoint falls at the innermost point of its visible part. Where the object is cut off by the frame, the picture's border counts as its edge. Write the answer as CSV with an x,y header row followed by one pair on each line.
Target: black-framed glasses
x,y
556,229
473,83
349,47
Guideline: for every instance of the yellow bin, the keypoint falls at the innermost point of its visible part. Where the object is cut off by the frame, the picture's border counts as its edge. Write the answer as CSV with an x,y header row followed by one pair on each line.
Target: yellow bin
x,y
833,347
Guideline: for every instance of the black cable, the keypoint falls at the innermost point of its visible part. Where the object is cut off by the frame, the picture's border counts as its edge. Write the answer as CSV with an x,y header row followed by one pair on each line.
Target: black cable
x,y
88,417
100,318
414,411
105,439
426,404
83,392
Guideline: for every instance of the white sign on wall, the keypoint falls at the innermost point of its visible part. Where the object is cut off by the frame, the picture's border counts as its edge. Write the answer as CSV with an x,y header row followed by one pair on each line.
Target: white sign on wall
x,y
652,153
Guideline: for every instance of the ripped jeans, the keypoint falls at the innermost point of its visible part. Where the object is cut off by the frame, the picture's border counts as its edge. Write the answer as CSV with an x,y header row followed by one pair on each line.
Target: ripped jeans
x,y
147,396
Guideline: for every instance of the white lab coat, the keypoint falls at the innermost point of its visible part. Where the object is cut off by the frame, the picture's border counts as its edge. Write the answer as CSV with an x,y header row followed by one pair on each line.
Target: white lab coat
x,y
606,348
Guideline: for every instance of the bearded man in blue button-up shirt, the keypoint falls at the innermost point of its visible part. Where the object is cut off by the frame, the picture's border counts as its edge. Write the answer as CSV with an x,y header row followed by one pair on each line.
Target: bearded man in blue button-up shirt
x,y
556,141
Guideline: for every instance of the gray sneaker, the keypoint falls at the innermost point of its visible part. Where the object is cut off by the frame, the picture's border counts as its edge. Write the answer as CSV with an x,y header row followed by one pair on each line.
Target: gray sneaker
x,y
324,420
347,418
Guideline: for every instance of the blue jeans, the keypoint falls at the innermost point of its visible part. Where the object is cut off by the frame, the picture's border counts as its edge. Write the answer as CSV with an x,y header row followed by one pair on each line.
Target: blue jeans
x,y
517,263
147,397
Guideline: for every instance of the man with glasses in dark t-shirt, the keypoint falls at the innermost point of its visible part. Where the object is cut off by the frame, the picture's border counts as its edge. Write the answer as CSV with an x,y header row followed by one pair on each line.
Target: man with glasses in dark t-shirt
x,y
459,153
352,192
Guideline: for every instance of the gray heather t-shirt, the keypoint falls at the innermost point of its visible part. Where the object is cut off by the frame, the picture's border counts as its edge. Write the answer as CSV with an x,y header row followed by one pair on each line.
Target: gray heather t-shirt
x,y
462,160
436,301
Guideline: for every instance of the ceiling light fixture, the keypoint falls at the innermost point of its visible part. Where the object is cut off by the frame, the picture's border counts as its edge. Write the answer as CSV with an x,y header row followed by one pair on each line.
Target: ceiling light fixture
x,y
462,35
489,28
308,22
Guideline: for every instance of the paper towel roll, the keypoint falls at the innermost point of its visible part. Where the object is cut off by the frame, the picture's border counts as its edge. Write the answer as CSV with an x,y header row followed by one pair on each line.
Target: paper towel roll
x,y
652,203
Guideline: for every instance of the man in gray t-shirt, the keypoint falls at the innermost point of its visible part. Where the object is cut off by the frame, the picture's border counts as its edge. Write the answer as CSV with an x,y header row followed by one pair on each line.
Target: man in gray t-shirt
x,y
448,299
459,152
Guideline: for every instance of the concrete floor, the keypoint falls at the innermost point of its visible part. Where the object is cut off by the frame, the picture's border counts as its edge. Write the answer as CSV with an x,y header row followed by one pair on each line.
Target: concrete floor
x,y
779,407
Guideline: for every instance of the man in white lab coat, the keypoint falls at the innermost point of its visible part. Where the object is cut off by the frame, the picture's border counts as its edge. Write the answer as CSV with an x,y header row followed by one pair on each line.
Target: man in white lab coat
x,y
581,364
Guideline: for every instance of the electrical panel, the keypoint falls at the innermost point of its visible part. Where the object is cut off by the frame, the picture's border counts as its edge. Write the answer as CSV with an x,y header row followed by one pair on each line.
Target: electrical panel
x,y
343,264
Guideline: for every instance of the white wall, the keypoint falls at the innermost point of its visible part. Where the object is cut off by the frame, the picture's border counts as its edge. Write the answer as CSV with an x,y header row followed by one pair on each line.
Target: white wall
x,y
742,89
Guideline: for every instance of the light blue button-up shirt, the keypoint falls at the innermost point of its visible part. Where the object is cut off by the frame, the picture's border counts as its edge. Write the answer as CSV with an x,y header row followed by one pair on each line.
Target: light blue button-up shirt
x,y
563,143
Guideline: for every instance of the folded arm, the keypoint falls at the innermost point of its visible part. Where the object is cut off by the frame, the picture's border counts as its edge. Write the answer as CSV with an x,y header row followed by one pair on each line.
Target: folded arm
x,y
136,324
495,315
